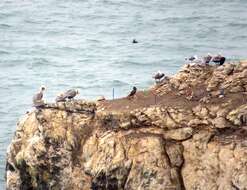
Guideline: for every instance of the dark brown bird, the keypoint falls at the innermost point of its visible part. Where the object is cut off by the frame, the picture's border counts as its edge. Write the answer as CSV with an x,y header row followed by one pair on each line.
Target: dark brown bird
x,y
38,98
158,76
219,59
70,94
134,41
133,92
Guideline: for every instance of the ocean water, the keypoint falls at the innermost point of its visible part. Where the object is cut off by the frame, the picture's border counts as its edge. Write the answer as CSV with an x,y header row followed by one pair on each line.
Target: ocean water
x,y
86,44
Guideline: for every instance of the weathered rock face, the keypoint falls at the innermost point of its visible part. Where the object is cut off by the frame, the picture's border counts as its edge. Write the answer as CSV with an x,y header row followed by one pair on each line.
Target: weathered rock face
x,y
198,145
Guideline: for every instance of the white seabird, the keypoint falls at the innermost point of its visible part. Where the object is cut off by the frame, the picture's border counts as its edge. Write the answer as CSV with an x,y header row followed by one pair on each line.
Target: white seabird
x,y
158,76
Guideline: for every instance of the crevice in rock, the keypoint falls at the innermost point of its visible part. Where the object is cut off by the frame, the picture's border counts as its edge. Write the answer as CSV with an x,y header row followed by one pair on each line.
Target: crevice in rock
x,y
9,167
127,176
181,179
169,115
26,179
177,167
234,186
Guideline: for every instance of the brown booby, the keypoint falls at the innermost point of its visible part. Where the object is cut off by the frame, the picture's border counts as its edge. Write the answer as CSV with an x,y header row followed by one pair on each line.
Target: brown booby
x,y
70,94
38,101
132,93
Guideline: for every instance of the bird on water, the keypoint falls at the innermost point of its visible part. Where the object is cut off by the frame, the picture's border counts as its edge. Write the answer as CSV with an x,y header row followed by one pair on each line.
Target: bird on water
x,y
134,41
132,93
38,101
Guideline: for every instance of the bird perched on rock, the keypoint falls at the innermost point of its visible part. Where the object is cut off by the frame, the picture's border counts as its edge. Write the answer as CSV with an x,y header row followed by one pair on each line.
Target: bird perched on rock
x,y
60,98
101,98
132,93
206,59
70,94
38,101
158,76
222,93
219,59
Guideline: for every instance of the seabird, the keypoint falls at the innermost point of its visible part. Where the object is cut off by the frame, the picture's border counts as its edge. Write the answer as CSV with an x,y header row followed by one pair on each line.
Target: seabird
x,y
38,101
60,98
207,58
70,94
222,93
158,76
192,58
133,92
134,41
101,98
219,59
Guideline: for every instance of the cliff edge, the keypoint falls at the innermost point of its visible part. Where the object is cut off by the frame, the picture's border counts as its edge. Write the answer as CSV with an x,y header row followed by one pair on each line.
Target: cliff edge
x,y
187,132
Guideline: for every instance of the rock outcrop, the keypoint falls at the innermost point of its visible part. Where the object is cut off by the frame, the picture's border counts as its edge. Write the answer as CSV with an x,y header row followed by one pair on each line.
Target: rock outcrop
x,y
190,137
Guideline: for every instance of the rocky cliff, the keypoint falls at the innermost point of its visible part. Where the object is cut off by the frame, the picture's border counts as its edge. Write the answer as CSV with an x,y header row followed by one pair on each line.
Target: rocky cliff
x,y
187,132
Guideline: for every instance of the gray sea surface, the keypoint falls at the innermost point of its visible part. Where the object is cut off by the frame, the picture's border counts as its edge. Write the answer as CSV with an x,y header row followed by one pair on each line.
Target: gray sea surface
x,y
86,44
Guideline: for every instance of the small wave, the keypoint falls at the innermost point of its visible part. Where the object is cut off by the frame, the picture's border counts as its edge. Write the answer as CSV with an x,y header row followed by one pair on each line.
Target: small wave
x,y
13,63
182,19
88,87
131,63
118,83
4,87
2,52
2,112
93,40
67,48
39,62
239,25
19,85
5,26
31,22
240,37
